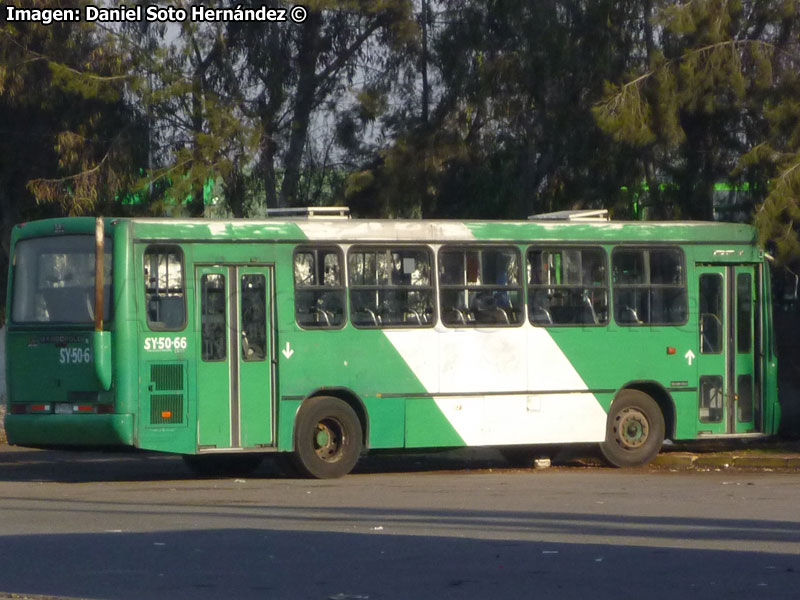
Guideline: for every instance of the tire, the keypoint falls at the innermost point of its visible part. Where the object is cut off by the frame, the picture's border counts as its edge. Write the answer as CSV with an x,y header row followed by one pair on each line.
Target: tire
x,y
328,438
222,465
634,430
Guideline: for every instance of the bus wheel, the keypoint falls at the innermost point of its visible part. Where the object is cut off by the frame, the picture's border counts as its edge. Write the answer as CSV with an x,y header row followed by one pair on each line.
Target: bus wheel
x,y
327,438
634,431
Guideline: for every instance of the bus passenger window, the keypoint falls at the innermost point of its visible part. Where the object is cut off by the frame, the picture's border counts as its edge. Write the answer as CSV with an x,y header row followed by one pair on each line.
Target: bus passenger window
x,y
711,301
649,286
567,286
253,296
212,317
164,288
390,287
480,286
318,288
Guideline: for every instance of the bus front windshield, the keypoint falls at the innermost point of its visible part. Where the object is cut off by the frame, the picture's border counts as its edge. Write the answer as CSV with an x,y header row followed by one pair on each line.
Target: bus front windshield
x,y
54,280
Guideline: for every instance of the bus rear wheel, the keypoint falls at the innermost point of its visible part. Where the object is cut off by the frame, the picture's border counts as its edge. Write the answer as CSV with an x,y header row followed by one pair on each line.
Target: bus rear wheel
x,y
328,438
634,430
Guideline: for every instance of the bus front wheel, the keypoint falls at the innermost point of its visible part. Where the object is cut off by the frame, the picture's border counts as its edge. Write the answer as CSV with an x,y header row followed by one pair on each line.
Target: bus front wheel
x,y
634,430
327,438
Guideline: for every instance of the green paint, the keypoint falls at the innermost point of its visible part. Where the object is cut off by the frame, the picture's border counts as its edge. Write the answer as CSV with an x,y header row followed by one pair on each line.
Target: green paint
x,y
168,398
426,426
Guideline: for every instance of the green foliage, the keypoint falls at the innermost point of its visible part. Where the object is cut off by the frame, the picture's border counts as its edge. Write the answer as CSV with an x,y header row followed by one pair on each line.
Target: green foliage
x,y
61,100
708,106
627,115
508,129
472,108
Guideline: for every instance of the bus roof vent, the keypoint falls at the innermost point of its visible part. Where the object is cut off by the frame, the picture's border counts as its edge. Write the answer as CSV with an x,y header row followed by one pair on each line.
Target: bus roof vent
x,y
599,215
311,212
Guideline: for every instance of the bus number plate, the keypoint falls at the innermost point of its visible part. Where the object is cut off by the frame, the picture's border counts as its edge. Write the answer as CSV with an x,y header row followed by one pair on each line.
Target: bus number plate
x,y
72,356
165,344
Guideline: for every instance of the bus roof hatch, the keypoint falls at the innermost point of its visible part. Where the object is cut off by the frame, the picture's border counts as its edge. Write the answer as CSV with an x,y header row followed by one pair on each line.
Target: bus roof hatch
x,y
320,212
580,216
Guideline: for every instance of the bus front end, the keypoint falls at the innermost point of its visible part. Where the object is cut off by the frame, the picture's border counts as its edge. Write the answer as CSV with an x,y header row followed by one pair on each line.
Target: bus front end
x,y
62,391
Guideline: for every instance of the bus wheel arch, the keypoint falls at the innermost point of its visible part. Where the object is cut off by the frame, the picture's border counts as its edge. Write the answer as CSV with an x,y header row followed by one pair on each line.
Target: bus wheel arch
x,y
635,429
348,397
328,437
661,397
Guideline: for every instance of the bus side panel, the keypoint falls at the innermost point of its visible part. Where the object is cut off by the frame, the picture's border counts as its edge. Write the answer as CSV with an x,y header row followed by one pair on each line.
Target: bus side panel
x,y
496,386
339,362
613,356
165,359
386,416
361,361
427,426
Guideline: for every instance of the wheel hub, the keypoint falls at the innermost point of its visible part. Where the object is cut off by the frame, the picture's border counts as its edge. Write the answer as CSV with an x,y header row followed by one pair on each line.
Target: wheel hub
x,y
328,440
632,428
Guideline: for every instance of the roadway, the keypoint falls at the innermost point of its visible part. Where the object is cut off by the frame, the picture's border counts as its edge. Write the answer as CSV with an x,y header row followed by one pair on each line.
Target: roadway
x,y
140,526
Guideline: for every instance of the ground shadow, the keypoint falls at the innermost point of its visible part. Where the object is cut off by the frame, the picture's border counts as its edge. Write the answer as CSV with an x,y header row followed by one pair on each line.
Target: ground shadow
x,y
276,564
64,466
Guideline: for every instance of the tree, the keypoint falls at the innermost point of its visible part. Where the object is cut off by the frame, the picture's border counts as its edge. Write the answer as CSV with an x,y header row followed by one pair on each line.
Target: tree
x,y
715,102
302,76
509,130
68,139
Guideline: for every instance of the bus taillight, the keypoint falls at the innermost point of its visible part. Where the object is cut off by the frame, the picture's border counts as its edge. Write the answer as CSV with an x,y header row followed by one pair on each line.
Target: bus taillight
x,y
24,409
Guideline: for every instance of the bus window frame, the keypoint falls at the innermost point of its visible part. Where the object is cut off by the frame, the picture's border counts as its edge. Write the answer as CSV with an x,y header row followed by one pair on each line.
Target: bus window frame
x,y
341,288
182,256
108,291
649,286
204,314
431,287
466,286
560,248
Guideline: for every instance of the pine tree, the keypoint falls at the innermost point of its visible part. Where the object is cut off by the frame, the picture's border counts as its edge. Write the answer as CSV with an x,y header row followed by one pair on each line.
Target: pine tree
x,y
504,127
715,103
67,137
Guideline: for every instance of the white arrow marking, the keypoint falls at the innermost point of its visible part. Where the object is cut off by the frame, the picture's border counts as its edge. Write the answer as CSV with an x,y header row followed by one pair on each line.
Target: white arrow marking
x,y
287,352
689,356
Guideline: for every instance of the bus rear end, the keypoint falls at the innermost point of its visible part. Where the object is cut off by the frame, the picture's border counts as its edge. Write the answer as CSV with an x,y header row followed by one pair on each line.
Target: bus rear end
x,y
59,337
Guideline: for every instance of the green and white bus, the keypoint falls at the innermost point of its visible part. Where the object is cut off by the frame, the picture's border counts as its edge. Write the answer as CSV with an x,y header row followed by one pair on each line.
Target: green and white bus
x,y
322,337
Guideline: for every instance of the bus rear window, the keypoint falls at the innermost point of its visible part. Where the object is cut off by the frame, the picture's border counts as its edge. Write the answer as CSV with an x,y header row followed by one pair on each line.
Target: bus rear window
x,y
54,280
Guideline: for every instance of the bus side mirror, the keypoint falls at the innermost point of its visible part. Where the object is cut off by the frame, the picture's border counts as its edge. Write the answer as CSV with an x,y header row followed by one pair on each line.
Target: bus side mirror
x,y
101,350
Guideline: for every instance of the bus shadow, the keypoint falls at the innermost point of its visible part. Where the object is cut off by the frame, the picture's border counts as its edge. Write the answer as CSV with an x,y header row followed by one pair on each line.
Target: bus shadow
x,y
66,466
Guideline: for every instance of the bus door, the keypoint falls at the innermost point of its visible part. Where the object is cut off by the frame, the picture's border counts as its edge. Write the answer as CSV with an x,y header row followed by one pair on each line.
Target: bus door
x,y
729,384
234,370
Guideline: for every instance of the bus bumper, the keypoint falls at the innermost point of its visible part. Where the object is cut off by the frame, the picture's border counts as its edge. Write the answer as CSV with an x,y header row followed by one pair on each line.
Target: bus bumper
x,y
69,430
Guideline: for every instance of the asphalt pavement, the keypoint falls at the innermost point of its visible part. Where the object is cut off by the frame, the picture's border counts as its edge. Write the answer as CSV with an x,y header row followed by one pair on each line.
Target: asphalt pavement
x,y
93,468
